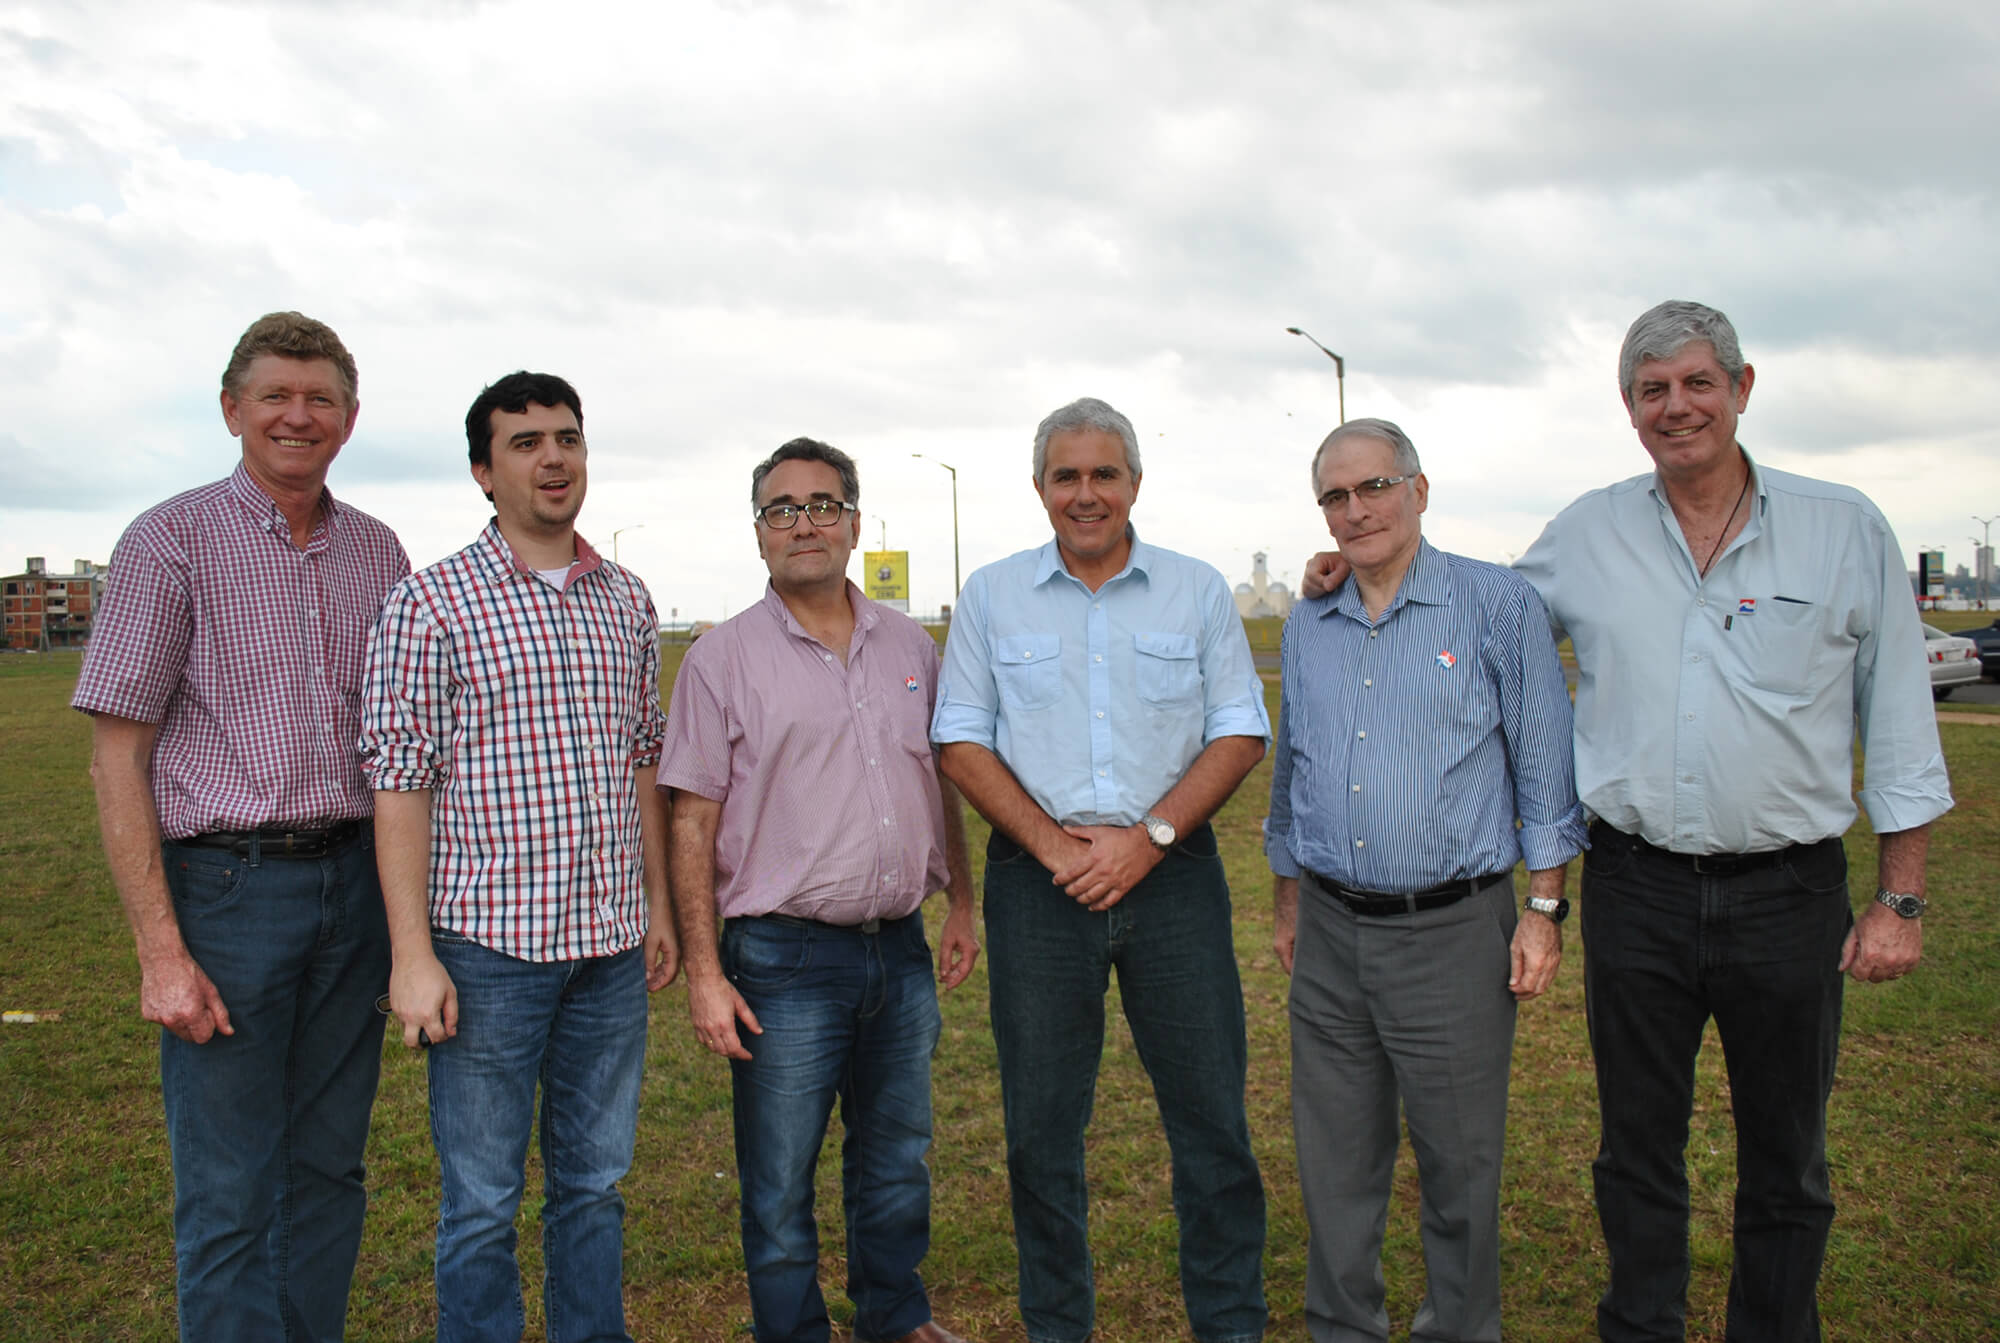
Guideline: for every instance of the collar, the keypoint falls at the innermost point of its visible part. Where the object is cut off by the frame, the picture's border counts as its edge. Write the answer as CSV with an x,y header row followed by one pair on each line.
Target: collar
x,y
1049,562
1426,582
265,513
867,614
1658,488
502,565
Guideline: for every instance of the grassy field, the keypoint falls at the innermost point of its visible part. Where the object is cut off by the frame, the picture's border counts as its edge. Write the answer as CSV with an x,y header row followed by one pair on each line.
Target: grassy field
x,y
85,1193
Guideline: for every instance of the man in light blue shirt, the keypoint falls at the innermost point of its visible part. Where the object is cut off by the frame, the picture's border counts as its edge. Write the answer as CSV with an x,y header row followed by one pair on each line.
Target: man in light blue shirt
x,y
1422,715
1098,703
1733,626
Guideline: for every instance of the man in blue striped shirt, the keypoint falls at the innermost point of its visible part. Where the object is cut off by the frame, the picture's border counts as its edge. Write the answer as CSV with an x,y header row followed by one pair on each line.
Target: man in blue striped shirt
x,y
1423,749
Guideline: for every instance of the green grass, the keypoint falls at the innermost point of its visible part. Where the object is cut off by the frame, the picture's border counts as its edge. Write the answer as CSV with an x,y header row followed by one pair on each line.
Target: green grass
x,y
85,1192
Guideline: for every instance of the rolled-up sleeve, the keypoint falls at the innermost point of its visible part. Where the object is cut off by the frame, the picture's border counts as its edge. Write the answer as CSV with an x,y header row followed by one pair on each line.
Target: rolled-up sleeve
x,y
1536,717
968,699
1903,779
652,725
406,714
1233,691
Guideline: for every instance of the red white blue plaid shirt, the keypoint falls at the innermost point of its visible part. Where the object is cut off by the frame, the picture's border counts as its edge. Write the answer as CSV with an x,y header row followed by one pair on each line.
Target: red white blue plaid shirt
x,y
246,651
524,711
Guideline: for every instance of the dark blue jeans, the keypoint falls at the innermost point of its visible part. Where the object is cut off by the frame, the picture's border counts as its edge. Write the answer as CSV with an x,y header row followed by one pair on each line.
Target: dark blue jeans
x,y
267,1126
576,1030
1174,948
851,1015
1666,948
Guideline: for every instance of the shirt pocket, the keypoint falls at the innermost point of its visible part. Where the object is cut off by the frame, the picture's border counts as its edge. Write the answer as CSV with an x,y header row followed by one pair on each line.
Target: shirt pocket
x,y
1783,644
1028,670
1167,669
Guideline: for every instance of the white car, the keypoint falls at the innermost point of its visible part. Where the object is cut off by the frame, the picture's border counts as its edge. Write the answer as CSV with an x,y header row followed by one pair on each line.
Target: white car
x,y
1954,661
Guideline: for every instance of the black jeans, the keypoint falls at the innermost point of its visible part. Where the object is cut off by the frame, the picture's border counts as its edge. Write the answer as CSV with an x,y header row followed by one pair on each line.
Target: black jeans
x,y
1665,948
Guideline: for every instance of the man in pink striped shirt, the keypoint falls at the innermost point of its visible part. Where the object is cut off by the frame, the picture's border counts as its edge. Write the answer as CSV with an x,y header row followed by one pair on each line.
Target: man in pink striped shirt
x,y
222,677
511,726
809,813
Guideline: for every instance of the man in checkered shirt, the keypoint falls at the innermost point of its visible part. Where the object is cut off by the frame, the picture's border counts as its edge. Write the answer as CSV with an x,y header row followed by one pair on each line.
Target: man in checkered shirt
x,y
511,727
222,677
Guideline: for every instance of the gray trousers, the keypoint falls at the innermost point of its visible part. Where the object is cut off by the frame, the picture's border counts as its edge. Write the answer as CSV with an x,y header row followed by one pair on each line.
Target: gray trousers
x,y
1414,1009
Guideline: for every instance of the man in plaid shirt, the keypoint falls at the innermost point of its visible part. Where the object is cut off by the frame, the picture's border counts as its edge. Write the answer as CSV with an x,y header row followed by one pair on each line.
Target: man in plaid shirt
x,y
511,727
222,679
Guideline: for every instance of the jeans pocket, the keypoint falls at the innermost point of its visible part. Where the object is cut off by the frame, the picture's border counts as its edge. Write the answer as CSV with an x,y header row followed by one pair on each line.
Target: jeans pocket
x,y
761,957
1818,869
203,881
1610,853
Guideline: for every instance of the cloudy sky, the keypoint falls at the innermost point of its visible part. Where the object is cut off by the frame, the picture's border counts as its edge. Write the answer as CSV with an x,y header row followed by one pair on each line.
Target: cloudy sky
x,y
908,227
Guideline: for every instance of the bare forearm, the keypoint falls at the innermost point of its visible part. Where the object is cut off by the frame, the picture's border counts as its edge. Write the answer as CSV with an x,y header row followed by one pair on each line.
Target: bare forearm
x,y
121,773
655,817
1901,857
997,795
1214,775
691,870
957,861
403,860
1548,883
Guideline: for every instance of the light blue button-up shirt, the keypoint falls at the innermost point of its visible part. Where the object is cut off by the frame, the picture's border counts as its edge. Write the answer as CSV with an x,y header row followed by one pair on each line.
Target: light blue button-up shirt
x,y
1409,745
1097,701
1719,715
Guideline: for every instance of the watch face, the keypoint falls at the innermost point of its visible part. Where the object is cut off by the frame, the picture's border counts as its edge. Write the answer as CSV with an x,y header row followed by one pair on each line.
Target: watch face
x,y
1909,906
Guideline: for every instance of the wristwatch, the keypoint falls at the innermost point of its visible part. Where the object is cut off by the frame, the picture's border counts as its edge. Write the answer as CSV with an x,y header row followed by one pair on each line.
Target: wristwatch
x,y
1557,909
1903,902
1161,832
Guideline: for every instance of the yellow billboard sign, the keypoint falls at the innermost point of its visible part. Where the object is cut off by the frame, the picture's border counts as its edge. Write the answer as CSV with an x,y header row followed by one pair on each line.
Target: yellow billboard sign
x,y
887,577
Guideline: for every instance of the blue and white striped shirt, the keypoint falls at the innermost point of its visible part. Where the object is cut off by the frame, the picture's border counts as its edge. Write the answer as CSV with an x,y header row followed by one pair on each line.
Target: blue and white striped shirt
x,y
1408,746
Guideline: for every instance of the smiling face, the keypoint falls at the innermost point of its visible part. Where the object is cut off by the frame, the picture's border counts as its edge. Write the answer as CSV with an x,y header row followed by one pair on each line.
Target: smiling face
x,y
536,472
1088,491
1685,411
293,416
1378,536
808,557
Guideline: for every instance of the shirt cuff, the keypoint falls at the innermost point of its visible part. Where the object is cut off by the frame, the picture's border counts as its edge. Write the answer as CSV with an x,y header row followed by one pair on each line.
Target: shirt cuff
x,y
1556,842
1907,806
956,722
1279,855
1236,721
412,778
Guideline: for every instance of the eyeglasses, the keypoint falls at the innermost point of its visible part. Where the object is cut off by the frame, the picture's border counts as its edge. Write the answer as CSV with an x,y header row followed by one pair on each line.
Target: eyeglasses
x,y
784,517
1367,489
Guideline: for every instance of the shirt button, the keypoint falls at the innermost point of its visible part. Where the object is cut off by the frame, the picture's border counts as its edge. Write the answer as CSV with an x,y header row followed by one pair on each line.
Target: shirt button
x,y
1102,772
885,820
1100,713
1695,658
1364,736
1097,657
1355,788
1368,681
1701,601
1373,633
871,759
827,656
1690,718
1027,653
1360,843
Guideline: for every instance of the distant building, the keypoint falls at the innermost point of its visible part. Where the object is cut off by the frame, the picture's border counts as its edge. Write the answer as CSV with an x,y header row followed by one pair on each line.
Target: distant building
x,y
1260,597
46,610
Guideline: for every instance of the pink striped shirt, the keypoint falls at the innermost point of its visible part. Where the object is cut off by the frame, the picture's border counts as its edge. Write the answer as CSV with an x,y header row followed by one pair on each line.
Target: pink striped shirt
x,y
246,651
830,801
525,711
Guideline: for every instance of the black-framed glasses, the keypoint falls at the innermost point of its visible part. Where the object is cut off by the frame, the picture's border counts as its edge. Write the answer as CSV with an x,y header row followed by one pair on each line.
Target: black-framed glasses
x,y
784,517
1367,489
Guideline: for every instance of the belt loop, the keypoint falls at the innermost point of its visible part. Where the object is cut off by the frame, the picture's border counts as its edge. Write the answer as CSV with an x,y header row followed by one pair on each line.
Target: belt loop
x,y
256,855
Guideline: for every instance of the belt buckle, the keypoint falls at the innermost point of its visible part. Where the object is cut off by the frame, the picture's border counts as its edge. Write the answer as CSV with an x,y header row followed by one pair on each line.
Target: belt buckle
x,y
871,926
1714,864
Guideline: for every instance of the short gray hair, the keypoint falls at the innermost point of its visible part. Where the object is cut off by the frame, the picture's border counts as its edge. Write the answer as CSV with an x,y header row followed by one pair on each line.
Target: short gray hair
x,y
809,450
1086,412
1386,431
1664,331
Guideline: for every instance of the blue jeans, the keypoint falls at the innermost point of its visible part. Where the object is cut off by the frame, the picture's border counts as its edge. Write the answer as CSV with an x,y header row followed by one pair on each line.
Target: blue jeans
x,y
1665,948
267,1126
1172,942
852,1015
578,1029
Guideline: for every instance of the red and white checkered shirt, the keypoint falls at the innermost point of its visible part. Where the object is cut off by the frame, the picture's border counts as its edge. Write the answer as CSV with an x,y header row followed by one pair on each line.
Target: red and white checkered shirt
x,y
246,651
525,712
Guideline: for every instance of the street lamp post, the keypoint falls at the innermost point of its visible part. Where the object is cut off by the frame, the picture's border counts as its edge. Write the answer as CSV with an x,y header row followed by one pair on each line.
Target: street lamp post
x,y
1339,369
620,532
1984,552
955,584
